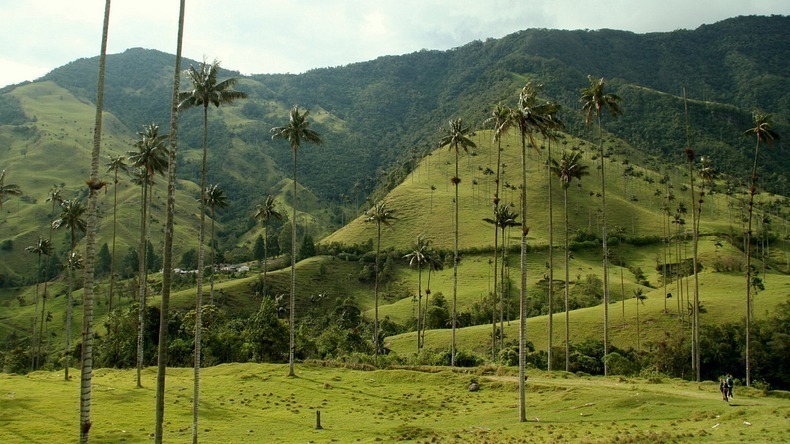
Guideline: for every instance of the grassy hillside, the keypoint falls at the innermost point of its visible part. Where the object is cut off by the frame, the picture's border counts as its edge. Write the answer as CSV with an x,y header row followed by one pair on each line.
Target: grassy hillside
x,y
257,402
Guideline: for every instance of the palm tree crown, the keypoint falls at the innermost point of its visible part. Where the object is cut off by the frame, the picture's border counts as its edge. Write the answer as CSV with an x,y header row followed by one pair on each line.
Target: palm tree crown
x,y
569,168
205,88
595,100
71,216
7,189
152,152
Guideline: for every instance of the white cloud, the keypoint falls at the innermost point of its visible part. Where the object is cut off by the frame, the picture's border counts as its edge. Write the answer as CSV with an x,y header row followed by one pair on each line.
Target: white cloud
x,y
285,36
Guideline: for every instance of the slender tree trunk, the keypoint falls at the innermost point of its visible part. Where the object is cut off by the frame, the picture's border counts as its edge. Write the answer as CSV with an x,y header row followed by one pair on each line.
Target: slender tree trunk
x,y
456,259
291,320
503,291
376,292
419,305
427,295
551,261
522,311
567,289
494,296
141,282
199,296
637,326
496,252
41,325
167,260
112,255
86,373
34,357
213,261
44,297
265,258
605,253
69,304
694,223
752,192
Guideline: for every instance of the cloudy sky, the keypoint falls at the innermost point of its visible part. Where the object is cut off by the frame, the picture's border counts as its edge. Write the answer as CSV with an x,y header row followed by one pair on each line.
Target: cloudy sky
x,y
274,36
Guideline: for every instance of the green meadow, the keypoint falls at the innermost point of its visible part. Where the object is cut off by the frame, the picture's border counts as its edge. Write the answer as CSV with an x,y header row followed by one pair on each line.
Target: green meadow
x,y
259,403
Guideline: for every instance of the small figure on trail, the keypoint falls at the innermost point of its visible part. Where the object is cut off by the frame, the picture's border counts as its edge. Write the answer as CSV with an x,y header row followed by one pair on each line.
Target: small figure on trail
x,y
723,389
729,385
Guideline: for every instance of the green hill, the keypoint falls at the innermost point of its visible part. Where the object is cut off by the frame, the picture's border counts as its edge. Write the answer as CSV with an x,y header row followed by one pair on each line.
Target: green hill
x,y
383,116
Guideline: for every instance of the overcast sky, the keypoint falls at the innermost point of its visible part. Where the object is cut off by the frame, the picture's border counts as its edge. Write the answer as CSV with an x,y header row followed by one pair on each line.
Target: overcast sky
x,y
275,36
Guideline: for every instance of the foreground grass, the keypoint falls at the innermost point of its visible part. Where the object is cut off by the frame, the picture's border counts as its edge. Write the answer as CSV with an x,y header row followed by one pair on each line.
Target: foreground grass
x,y
258,403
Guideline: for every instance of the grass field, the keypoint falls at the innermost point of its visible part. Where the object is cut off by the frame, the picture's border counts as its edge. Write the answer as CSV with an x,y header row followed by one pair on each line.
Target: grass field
x,y
258,403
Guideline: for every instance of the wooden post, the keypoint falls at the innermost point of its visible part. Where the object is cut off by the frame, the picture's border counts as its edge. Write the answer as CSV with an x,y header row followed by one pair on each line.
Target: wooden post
x,y
318,420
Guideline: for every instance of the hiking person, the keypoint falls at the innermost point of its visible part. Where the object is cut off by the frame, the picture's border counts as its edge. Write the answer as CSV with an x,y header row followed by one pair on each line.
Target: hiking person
x,y
723,388
728,382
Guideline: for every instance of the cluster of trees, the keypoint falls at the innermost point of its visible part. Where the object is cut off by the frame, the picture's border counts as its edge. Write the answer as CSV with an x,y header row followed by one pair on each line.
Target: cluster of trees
x,y
181,338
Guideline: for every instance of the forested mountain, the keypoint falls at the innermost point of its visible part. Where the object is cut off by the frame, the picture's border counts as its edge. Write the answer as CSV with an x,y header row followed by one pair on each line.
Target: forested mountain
x,y
379,117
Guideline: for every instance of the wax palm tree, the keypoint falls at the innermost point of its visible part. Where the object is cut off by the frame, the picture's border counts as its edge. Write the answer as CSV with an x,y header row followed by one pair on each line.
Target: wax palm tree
x,y
639,295
501,123
568,168
42,247
215,198
55,195
503,219
417,257
530,116
379,214
595,101
7,189
434,263
265,212
763,131
71,217
695,213
206,90
150,159
296,131
553,124
94,184
167,261
115,165
456,137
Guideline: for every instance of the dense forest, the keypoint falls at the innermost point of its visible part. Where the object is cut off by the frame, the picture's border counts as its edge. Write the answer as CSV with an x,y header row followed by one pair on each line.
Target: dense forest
x,y
386,111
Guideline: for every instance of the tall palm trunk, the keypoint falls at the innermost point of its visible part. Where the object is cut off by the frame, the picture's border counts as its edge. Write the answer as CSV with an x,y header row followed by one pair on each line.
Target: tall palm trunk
x,y
34,358
503,292
494,295
376,297
44,296
141,282
551,259
90,247
605,252
567,287
522,311
114,227
419,305
456,181
199,295
167,260
750,207
69,309
265,257
213,261
496,253
695,320
292,300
